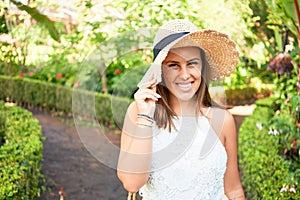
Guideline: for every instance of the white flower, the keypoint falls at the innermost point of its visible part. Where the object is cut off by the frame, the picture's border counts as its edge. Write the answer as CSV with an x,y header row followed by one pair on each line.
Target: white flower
x,y
276,132
270,132
259,126
293,190
273,132
284,189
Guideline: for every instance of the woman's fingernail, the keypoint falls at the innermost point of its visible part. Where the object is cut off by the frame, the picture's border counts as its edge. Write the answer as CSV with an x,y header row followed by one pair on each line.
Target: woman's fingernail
x,y
158,96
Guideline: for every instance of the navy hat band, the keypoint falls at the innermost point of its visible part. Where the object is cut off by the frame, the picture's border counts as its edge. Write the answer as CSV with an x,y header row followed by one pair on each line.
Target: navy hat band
x,y
165,41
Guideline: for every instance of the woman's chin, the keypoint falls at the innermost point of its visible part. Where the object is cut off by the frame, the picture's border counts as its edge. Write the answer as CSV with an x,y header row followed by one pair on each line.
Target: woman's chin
x,y
185,96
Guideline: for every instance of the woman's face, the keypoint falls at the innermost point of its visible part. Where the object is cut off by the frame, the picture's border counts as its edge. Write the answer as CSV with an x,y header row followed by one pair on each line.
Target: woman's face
x,y
182,72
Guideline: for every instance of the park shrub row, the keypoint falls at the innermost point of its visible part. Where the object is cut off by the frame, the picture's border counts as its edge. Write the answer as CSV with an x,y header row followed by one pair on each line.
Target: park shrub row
x,y
264,170
20,154
246,94
239,95
107,109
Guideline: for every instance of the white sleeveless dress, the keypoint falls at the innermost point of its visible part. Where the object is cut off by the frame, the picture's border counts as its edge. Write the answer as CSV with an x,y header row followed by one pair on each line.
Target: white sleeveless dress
x,y
187,164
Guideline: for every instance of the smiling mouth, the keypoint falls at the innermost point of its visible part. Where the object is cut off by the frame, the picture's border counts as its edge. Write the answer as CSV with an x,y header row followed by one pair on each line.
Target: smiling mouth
x,y
185,86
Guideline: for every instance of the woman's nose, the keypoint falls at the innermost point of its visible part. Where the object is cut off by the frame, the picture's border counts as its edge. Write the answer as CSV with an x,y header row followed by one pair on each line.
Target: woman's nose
x,y
184,73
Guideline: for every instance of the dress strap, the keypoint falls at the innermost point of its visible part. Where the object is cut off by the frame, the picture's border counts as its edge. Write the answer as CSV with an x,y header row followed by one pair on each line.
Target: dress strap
x,y
207,111
131,196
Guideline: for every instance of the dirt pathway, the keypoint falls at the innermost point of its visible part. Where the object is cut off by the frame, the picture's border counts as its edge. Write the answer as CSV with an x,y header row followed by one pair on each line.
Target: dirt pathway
x,y
66,163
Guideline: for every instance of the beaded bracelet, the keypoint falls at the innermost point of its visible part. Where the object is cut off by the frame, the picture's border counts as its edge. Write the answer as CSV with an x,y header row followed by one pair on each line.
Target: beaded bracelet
x,y
144,124
145,117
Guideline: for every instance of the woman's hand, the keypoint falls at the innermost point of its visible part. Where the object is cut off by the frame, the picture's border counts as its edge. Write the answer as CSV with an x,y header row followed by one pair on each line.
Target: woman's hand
x,y
146,96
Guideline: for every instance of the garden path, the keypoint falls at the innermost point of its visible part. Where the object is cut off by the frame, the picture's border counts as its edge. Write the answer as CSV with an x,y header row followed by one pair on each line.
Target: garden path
x,y
68,165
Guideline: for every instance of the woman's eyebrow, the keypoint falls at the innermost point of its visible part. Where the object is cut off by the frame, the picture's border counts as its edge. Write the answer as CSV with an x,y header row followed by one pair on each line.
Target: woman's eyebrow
x,y
176,62
193,59
171,61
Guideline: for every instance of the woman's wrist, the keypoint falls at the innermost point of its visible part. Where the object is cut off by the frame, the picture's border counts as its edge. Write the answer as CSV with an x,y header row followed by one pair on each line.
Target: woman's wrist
x,y
145,110
146,117
144,120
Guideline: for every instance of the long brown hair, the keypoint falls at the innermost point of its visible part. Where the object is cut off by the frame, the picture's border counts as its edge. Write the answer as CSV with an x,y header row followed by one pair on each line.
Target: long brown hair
x,y
164,113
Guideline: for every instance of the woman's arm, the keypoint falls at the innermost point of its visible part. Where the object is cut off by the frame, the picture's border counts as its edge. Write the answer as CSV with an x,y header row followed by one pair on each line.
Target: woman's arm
x,y
135,154
136,141
232,183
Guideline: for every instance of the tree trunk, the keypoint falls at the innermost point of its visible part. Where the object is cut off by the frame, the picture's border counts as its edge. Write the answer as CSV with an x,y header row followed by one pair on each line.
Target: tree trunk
x,y
103,77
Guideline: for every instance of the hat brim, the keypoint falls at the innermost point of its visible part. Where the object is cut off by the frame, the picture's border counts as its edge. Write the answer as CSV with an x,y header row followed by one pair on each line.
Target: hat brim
x,y
221,54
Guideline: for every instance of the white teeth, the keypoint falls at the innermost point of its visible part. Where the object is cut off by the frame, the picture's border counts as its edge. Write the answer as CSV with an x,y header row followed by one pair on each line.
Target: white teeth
x,y
185,86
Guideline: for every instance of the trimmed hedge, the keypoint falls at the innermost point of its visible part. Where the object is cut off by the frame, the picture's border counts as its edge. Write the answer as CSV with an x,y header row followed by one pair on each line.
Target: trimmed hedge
x,y
240,95
20,154
264,171
108,110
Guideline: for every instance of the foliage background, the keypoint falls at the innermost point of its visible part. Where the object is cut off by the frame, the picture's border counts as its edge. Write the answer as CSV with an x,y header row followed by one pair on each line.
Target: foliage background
x,y
56,41
90,22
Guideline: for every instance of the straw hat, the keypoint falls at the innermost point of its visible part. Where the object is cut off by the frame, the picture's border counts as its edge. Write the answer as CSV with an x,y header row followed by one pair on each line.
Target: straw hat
x,y
221,52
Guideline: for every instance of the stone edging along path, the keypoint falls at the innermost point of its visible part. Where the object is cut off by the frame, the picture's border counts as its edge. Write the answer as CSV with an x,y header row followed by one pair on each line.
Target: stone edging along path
x,y
68,165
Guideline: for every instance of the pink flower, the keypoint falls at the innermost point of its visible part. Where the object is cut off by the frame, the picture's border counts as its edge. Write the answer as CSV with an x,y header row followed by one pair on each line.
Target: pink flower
x,y
284,189
293,190
58,76
117,71
22,74
30,73
78,84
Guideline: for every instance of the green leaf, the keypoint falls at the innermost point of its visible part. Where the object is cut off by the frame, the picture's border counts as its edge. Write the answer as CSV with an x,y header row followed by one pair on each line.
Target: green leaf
x,y
40,18
278,40
295,102
290,9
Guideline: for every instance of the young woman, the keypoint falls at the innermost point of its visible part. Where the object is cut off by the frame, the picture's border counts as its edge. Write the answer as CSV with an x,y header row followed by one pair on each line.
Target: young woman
x,y
176,143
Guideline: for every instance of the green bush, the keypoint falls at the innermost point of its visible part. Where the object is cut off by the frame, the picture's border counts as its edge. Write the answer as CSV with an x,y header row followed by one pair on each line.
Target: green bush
x,y
245,94
265,102
10,58
264,171
239,95
55,97
20,154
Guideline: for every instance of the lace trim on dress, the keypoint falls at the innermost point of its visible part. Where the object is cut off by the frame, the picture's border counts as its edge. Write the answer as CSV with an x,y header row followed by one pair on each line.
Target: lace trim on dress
x,y
191,176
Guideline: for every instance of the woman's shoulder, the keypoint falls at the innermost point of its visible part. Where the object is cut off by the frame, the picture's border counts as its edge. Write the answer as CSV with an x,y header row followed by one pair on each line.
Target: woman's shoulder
x,y
222,121
216,112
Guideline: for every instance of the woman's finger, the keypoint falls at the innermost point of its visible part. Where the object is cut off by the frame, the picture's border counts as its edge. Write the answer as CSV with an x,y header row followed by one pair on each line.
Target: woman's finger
x,y
153,87
146,97
141,92
151,83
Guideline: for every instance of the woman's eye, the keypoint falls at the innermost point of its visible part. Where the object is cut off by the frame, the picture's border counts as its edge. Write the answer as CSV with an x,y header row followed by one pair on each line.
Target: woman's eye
x,y
173,65
195,63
